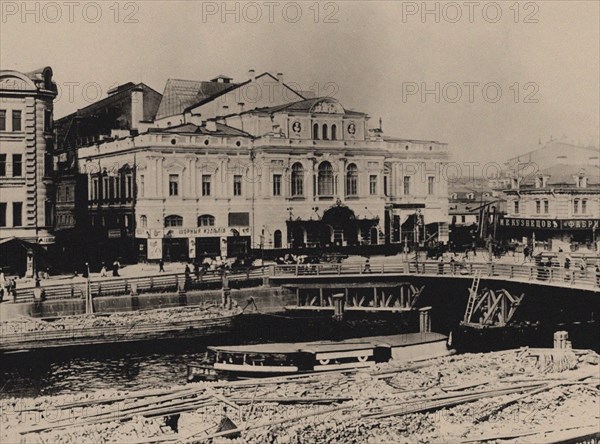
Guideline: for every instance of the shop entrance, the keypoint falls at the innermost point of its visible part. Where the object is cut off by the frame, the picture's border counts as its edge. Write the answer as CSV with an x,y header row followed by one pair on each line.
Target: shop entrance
x,y
208,247
175,249
238,246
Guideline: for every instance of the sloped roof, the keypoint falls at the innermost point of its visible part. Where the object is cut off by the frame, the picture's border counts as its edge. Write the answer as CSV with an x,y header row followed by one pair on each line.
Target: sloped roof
x,y
180,94
563,174
190,128
299,106
233,86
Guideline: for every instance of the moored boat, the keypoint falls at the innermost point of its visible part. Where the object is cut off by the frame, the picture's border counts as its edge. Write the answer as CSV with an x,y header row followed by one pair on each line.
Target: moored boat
x,y
278,359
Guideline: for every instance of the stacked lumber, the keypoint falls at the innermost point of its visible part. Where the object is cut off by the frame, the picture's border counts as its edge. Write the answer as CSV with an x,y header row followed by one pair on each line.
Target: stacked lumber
x,y
459,398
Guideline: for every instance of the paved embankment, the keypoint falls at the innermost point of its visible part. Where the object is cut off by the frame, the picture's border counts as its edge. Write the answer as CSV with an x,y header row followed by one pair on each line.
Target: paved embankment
x,y
531,395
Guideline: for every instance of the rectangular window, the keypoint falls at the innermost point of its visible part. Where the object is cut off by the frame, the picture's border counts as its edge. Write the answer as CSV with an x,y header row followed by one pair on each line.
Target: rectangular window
x,y
48,121
17,165
105,188
430,186
49,213
128,186
385,185
583,206
2,165
142,185
2,214
2,120
373,185
17,208
206,182
237,185
117,187
538,207
239,219
576,206
95,188
16,120
173,185
546,207
406,185
516,207
276,184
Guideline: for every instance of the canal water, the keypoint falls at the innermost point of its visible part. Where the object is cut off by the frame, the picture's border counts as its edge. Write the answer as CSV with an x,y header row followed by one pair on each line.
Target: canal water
x,y
163,363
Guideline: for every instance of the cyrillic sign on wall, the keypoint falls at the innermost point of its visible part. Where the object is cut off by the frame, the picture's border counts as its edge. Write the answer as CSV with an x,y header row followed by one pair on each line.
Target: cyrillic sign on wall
x,y
550,224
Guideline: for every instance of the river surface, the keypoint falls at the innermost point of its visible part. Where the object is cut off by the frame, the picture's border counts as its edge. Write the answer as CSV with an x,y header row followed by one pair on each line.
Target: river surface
x,y
163,363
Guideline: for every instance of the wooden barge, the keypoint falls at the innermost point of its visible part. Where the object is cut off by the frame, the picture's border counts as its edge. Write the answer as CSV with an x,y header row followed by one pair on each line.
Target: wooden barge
x,y
12,341
261,360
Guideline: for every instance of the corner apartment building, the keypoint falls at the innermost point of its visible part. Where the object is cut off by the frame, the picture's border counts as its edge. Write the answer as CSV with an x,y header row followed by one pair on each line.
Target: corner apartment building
x,y
26,166
554,198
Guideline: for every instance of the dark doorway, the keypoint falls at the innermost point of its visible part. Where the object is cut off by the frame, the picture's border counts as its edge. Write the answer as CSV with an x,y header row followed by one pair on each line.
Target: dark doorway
x,y
374,236
277,239
238,246
175,249
208,247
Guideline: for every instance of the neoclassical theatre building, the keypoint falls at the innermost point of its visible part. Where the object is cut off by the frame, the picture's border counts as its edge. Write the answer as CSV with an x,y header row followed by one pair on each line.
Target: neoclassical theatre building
x,y
219,174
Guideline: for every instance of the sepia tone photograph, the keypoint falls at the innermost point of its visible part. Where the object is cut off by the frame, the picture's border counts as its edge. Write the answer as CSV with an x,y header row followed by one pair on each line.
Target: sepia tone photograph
x,y
298,222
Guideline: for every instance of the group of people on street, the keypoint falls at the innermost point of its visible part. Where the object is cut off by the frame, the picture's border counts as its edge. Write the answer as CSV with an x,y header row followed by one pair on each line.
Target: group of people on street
x,y
8,287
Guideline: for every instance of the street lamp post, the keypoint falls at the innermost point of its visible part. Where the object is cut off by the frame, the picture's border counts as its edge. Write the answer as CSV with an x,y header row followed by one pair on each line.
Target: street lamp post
x,y
89,309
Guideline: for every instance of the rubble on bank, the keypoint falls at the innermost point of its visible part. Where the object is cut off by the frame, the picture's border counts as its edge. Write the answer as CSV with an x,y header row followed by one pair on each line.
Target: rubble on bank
x,y
524,394
120,319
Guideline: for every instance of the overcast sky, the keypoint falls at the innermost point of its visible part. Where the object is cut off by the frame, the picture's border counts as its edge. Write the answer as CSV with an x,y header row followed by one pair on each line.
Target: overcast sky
x,y
375,53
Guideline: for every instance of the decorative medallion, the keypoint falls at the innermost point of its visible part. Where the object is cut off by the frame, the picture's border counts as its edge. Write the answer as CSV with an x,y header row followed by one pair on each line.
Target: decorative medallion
x,y
296,127
352,129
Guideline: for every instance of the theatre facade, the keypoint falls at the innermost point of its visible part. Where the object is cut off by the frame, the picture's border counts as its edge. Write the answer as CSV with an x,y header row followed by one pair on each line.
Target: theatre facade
x,y
302,174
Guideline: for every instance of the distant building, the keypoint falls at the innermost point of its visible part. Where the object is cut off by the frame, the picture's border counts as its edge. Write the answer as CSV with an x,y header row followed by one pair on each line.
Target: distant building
x,y
127,110
473,209
224,175
554,198
26,166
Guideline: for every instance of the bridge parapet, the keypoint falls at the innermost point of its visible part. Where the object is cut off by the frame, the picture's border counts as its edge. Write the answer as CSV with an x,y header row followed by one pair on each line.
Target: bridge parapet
x,y
552,276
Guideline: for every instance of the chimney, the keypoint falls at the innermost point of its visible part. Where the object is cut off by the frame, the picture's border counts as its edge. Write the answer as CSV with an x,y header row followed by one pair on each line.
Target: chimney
x,y
251,74
280,77
211,125
137,107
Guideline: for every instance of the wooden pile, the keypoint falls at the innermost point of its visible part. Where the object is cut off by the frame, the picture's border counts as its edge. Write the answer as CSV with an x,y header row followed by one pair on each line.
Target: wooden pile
x,y
314,406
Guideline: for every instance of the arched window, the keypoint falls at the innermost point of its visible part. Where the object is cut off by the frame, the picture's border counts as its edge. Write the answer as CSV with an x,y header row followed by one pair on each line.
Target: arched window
x,y
206,220
173,221
352,180
333,132
325,179
297,179
143,221
316,131
325,133
277,239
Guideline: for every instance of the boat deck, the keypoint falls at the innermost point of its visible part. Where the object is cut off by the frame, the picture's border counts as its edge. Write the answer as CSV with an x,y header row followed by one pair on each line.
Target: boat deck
x,y
393,341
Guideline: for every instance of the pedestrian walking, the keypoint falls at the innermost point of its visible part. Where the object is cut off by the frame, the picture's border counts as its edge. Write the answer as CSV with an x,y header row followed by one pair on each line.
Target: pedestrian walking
x,y
115,268
367,267
526,252
103,270
441,265
161,265
13,289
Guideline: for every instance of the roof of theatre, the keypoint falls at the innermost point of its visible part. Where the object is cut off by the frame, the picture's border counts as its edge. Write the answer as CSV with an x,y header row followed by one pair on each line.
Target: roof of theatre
x,y
181,94
190,128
